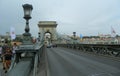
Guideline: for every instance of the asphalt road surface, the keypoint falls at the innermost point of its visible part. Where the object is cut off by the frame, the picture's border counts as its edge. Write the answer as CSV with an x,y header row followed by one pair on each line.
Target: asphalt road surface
x,y
68,62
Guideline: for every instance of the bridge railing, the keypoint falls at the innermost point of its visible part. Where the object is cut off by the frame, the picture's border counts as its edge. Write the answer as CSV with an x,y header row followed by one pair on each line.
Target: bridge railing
x,y
12,62
37,60
105,49
29,63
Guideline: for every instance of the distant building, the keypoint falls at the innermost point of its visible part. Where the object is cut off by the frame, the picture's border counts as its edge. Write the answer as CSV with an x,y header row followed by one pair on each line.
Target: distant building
x,y
7,38
104,39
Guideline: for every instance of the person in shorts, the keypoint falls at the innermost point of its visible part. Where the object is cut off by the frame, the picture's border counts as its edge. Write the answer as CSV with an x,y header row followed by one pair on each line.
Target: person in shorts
x,y
4,47
7,57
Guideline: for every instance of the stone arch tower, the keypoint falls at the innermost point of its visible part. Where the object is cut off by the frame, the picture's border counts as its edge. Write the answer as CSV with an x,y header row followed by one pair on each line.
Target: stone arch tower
x,y
48,27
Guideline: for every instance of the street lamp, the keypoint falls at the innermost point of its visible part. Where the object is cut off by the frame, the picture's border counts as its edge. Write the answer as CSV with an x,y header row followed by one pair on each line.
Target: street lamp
x,y
39,36
27,39
27,45
74,35
27,15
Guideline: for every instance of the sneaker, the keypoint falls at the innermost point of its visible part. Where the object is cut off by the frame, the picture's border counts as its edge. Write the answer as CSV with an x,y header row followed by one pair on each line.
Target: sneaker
x,y
6,71
3,68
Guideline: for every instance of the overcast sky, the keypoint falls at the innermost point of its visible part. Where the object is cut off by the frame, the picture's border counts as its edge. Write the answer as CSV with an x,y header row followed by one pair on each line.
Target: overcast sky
x,y
86,17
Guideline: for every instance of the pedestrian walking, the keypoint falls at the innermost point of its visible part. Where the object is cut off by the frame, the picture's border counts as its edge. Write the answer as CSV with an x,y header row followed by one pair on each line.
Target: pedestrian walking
x,y
7,57
4,47
14,48
1,52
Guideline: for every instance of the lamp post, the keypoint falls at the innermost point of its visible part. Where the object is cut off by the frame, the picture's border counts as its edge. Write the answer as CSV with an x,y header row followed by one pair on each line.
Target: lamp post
x,y
27,47
74,35
39,36
27,15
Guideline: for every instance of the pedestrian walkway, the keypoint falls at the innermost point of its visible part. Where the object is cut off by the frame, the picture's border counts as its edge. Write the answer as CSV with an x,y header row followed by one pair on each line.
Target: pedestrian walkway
x,y
41,71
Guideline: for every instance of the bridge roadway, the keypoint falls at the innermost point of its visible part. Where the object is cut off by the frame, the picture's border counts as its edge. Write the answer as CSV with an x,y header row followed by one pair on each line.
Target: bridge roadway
x,y
68,62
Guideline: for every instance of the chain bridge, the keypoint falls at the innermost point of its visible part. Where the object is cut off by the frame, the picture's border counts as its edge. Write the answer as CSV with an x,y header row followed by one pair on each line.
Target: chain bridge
x,y
54,54
64,59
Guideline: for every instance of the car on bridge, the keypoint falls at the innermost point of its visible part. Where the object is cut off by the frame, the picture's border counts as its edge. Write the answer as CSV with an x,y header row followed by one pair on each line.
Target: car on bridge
x,y
49,46
54,45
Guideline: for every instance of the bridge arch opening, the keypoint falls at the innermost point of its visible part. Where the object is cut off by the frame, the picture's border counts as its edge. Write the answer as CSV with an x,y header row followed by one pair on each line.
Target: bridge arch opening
x,y
48,38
